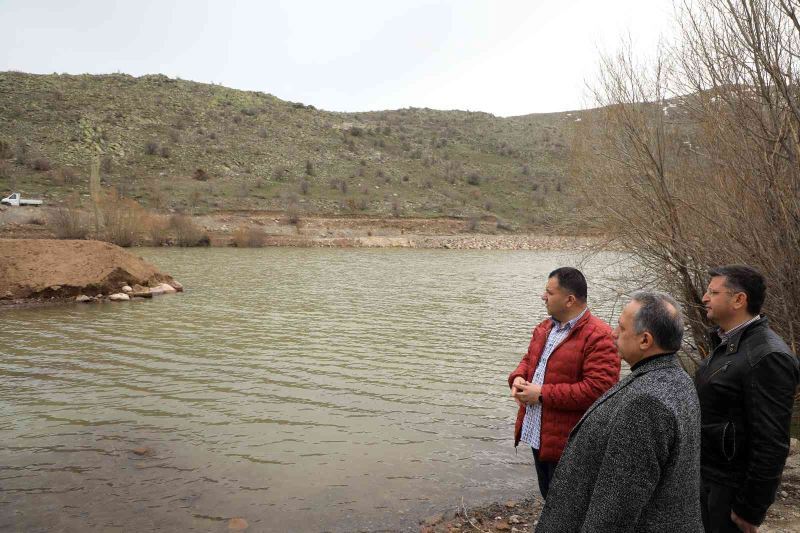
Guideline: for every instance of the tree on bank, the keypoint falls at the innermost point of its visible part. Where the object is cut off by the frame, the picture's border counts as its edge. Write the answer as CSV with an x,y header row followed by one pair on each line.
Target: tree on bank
x,y
698,153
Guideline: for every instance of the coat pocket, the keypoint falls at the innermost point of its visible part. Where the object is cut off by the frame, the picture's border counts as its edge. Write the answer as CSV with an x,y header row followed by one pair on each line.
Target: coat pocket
x,y
719,440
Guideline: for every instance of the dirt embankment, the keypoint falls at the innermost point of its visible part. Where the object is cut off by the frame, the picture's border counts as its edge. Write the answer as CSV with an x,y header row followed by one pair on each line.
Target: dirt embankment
x,y
45,269
346,231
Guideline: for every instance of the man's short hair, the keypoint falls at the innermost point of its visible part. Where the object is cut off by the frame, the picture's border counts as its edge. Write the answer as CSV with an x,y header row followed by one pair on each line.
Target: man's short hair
x,y
659,314
746,279
571,280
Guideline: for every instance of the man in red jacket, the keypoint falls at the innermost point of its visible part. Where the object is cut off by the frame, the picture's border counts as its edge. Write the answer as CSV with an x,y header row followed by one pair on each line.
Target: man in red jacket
x,y
571,361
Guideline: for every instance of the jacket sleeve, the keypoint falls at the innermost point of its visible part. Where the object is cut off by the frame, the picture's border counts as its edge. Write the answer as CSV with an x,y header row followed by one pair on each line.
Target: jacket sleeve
x,y
599,373
524,367
768,399
636,453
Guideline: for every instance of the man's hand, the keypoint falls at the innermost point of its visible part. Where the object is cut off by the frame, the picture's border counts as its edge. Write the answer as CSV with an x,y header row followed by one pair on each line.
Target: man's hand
x,y
528,393
744,526
516,387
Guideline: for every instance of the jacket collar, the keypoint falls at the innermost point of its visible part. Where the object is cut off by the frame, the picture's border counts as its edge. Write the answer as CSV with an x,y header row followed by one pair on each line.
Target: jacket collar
x,y
548,325
736,338
654,363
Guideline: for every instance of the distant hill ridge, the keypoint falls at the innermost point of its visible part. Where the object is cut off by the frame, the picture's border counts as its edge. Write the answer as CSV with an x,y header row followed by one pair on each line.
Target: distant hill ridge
x,y
194,147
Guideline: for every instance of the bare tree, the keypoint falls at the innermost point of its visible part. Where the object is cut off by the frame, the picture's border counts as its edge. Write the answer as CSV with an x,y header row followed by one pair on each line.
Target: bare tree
x,y
692,159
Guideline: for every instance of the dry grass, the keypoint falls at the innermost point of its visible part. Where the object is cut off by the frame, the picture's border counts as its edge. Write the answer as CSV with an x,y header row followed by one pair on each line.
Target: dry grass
x,y
187,232
249,237
69,221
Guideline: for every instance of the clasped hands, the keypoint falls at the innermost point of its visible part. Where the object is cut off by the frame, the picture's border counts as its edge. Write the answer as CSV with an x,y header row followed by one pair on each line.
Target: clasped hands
x,y
524,392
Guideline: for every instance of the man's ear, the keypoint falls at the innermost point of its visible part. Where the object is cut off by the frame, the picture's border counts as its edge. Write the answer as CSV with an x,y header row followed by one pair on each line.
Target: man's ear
x,y
740,300
646,341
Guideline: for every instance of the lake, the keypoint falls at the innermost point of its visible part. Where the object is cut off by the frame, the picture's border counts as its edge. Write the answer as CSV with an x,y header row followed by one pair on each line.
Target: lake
x,y
300,389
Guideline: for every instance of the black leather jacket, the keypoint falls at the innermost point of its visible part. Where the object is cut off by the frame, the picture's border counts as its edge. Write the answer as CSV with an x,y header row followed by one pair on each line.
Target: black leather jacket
x,y
746,389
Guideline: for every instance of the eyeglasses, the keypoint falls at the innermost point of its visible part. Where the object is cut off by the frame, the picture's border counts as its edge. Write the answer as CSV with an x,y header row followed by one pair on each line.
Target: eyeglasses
x,y
714,293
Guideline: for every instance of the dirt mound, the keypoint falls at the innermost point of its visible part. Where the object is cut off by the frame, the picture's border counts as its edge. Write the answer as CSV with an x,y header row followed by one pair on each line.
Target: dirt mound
x,y
44,268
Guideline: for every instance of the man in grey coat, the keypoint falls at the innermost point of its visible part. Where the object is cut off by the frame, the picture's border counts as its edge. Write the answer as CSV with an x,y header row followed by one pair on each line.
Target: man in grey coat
x,y
632,462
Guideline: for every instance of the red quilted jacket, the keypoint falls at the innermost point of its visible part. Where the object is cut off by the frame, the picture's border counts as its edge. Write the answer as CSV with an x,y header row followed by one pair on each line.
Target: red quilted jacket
x,y
580,370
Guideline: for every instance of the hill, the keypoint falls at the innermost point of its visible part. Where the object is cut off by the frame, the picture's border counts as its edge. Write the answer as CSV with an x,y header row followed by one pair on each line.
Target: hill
x,y
191,147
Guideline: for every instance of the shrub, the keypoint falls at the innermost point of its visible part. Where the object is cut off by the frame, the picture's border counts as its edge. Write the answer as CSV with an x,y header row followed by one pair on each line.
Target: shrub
x,y
355,131
505,226
200,175
293,215
310,168
174,136
357,204
279,173
340,184
249,237
474,179
187,232
40,164
5,170
151,148
473,223
156,228
124,220
304,186
68,221
5,150
263,133
21,153
395,207
165,152
249,111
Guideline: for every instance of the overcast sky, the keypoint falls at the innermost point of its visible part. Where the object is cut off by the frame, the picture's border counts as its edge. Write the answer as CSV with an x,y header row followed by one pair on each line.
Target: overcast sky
x,y
505,57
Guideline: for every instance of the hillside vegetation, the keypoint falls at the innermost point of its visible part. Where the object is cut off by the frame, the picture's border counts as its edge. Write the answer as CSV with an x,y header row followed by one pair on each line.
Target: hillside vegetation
x,y
197,148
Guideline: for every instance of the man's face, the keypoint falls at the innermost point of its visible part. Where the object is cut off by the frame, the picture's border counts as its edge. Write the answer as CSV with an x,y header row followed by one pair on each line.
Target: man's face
x,y
719,300
626,340
556,299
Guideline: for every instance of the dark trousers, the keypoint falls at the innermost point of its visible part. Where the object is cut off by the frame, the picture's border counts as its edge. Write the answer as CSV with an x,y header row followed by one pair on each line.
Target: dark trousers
x,y
544,472
715,504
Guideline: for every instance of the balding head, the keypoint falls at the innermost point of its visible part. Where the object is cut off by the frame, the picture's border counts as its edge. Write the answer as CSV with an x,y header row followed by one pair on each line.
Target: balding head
x,y
650,324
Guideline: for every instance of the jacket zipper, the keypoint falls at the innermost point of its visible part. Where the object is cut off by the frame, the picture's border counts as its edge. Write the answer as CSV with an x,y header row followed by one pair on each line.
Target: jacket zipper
x,y
717,371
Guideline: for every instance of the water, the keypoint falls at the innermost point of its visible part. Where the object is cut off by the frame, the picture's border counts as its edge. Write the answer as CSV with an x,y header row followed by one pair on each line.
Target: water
x,y
301,389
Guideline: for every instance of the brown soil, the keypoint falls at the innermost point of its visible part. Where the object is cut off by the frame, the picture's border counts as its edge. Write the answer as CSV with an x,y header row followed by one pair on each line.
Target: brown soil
x,y
350,231
45,269
782,517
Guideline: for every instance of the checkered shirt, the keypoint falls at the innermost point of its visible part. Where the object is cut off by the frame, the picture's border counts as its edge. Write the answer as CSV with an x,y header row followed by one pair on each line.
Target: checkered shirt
x,y
532,424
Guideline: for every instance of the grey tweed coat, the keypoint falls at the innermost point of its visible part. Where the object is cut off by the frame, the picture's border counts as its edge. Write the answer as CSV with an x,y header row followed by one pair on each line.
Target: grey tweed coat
x,y
632,462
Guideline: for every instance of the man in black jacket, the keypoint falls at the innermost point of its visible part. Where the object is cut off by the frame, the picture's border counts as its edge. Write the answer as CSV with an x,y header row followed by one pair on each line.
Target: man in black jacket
x,y
746,388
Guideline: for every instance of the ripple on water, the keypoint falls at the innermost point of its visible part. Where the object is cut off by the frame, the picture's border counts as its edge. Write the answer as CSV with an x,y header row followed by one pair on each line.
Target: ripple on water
x,y
302,389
